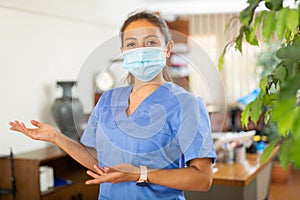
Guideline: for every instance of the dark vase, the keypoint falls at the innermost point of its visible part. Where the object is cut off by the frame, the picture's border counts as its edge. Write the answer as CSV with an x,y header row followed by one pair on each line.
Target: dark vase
x,y
68,112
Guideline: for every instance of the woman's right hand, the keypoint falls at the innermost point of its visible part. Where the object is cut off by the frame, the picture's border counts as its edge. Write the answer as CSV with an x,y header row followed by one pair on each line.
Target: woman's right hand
x,y
44,132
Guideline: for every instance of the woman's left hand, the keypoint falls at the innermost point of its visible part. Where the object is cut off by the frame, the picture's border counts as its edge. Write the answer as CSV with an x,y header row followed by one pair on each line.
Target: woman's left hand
x,y
115,174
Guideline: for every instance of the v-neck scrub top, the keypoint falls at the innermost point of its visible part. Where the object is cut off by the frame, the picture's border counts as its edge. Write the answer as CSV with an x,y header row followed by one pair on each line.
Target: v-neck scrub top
x,y
167,130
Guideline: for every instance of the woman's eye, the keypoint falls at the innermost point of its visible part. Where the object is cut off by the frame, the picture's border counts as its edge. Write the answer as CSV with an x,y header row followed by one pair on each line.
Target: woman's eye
x,y
130,45
152,43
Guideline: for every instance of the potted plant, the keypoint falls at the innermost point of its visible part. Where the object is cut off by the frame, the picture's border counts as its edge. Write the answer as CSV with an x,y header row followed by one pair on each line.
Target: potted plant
x,y
279,94
267,61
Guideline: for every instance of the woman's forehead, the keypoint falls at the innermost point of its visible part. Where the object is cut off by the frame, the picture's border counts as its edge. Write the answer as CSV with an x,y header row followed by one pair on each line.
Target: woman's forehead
x,y
141,28
142,32
143,23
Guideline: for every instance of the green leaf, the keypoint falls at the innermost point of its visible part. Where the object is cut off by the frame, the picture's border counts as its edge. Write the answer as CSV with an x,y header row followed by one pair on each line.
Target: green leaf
x,y
256,110
296,40
245,115
280,23
263,84
290,52
285,123
221,58
221,62
267,116
282,107
274,4
285,150
268,25
269,150
270,99
292,19
251,37
250,32
280,73
231,20
296,139
296,126
283,114
246,15
238,43
287,36
290,87
295,154
252,111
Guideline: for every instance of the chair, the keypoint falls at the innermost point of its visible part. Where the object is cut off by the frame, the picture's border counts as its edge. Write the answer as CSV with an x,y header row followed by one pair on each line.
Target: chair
x,y
13,180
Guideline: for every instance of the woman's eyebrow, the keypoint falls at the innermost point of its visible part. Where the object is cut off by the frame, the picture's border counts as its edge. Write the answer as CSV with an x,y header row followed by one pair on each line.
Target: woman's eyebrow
x,y
130,38
148,36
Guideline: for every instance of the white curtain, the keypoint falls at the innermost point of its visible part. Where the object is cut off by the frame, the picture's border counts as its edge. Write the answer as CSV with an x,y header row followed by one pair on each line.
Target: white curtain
x,y
239,71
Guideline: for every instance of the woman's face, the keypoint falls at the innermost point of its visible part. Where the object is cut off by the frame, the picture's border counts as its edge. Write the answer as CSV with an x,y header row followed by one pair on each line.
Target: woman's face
x,y
142,33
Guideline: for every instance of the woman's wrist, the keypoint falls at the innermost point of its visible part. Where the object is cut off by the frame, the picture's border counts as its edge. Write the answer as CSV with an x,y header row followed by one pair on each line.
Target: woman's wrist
x,y
135,174
57,138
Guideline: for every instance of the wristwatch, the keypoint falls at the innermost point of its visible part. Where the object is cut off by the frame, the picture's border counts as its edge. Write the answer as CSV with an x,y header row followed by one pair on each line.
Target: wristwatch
x,y
143,180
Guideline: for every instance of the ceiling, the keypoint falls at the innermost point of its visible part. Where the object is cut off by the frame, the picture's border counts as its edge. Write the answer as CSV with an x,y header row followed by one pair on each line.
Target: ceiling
x,y
170,7
105,12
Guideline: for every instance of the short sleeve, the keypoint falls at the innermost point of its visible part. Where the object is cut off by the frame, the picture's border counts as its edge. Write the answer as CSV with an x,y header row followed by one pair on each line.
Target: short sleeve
x,y
89,135
202,145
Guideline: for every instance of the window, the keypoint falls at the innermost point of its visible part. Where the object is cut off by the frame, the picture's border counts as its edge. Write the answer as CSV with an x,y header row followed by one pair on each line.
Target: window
x,y
239,71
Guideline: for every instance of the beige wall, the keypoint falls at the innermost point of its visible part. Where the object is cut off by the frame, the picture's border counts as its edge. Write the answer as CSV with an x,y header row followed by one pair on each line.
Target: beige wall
x,y
41,43
45,41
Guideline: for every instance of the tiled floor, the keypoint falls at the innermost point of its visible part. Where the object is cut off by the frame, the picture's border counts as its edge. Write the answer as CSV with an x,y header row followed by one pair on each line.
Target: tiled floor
x,y
286,191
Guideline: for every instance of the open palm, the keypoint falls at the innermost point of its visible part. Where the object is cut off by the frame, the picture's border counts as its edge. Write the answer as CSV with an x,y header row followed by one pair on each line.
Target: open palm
x,y
44,132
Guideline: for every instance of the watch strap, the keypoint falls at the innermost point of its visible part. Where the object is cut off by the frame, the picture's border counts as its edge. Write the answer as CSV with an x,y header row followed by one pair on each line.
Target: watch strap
x,y
143,180
144,173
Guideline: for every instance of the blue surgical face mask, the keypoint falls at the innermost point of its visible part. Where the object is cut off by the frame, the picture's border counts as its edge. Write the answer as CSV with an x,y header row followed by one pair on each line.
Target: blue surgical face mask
x,y
144,63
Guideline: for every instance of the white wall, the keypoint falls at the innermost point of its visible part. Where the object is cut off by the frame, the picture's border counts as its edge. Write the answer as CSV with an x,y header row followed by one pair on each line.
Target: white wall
x,y
45,41
42,42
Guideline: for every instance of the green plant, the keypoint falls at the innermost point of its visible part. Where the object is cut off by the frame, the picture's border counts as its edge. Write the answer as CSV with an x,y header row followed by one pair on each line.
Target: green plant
x,y
279,96
267,60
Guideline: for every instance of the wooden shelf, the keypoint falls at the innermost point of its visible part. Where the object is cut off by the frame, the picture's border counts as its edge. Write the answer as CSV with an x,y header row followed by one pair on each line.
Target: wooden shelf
x,y
27,176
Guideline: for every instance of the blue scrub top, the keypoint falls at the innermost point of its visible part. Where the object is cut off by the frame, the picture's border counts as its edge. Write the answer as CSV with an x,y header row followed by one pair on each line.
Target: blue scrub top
x,y
168,129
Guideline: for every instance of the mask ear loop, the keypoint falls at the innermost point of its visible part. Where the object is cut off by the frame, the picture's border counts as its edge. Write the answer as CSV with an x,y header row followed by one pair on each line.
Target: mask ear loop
x,y
166,46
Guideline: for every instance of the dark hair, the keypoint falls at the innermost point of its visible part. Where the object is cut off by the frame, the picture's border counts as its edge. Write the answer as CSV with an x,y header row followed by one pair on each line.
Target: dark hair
x,y
155,20
150,17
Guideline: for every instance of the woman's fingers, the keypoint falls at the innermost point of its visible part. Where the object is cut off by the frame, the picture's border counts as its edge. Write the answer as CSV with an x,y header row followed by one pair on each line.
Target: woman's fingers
x,y
15,126
12,126
41,131
36,123
23,128
100,176
99,170
116,174
20,127
93,174
98,179
17,123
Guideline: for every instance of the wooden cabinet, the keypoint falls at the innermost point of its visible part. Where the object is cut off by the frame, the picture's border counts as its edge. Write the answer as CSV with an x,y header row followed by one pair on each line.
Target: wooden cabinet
x,y
182,27
179,59
26,167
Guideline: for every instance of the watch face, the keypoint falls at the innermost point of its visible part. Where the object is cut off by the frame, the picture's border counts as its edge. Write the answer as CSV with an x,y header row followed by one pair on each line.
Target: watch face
x,y
141,183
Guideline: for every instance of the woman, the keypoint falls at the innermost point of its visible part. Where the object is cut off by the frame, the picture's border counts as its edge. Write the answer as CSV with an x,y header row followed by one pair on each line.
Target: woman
x,y
152,138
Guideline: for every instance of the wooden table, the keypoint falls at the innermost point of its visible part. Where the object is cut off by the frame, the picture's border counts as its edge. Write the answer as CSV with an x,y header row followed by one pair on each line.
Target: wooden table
x,y
242,181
